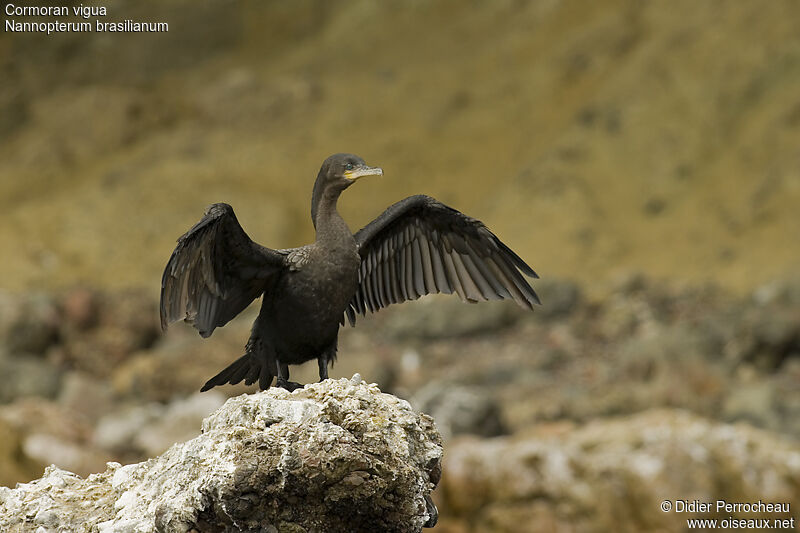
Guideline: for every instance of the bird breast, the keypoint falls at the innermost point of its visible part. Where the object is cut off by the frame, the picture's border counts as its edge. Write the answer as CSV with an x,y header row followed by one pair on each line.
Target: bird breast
x,y
322,281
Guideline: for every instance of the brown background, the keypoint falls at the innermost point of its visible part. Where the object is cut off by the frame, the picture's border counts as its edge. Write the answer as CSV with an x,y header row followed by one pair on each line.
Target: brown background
x,y
597,138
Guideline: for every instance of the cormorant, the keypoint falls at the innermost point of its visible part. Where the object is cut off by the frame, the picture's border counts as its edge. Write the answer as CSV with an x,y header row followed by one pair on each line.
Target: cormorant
x,y
417,246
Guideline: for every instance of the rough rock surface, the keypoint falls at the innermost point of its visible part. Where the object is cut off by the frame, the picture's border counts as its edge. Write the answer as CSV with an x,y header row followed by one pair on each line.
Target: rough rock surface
x,y
334,456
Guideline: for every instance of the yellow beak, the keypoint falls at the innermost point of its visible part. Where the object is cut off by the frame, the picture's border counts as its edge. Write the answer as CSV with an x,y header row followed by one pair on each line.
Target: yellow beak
x,y
360,172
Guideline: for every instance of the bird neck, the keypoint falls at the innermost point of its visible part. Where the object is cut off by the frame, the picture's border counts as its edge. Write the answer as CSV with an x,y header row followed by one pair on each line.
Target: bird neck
x,y
329,224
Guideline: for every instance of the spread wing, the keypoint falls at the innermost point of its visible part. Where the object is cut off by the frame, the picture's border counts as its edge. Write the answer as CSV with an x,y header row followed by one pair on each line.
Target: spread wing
x,y
215,272
420,246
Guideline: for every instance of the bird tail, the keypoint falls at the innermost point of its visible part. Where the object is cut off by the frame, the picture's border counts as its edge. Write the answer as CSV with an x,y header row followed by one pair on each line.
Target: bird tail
x,y
248,368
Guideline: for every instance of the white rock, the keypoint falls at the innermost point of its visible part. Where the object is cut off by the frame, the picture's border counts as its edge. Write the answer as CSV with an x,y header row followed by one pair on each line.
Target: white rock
x,y
334,456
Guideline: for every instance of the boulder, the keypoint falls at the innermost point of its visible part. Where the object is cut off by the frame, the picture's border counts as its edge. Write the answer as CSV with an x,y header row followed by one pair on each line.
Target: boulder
x,y
334,456
28,324
126,323
14,462
615,474
460,409
150,429
49,432
28,376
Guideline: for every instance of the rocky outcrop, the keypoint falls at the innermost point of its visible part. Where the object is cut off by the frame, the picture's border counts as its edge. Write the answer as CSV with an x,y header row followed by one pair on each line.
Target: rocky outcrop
x,y
615,474
334,456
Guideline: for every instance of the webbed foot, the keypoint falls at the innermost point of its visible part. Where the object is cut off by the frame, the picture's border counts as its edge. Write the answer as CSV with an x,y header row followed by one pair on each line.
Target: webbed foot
x,y
288,385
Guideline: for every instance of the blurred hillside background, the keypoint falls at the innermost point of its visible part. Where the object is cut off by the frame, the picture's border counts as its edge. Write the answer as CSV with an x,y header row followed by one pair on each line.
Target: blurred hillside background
x,y
643,157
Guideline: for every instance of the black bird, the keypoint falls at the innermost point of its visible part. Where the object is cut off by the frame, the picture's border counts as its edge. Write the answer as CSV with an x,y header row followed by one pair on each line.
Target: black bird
x,y
417,246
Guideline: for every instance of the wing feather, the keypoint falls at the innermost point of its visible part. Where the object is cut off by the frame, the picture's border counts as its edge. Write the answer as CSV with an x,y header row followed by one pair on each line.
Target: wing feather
x,y
438,269
215,272
420,246
419,268
483,286
499,289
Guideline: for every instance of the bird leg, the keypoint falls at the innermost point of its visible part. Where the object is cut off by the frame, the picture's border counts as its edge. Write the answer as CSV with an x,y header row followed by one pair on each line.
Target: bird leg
x,y
323,367
326,357
283,378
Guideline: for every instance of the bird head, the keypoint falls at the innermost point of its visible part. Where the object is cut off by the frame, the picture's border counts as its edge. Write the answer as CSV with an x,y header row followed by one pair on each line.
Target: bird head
x,y
342,170
337,173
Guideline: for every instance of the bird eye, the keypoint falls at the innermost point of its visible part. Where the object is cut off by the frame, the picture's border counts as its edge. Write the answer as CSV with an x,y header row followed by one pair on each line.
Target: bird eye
x,y
349,166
